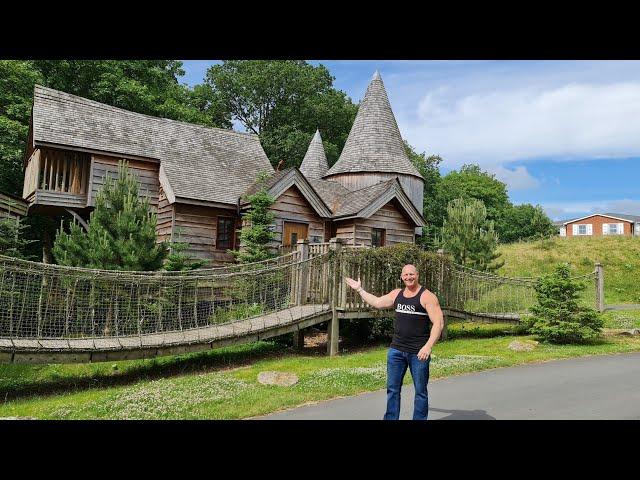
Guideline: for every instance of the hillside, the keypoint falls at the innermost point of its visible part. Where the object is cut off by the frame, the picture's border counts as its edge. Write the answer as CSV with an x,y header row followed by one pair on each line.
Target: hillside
x,y
620,257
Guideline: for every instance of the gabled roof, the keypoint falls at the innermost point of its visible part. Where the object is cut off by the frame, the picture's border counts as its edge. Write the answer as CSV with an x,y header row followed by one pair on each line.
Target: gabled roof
x,y
314,164
366,201
374,143
199,163
280,182
616,216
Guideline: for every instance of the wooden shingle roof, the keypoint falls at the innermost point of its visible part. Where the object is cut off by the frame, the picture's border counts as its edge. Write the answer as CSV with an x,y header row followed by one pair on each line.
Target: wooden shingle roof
x,y
374,143
200,163
314,164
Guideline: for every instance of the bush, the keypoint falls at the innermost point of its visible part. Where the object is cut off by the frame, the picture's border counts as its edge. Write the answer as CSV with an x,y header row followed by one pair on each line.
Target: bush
x,y
557,317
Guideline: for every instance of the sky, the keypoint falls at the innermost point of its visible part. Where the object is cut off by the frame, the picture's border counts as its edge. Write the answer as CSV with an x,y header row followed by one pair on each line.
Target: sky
x,y
561,134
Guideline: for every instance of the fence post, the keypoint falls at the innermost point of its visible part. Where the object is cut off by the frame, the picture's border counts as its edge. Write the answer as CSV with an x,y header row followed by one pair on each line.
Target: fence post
x,y
301,288
599,287
443,335
333,330
303,271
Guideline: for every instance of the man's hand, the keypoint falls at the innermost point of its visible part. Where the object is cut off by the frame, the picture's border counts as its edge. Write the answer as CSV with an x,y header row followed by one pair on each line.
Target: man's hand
x,y
352,283
424,353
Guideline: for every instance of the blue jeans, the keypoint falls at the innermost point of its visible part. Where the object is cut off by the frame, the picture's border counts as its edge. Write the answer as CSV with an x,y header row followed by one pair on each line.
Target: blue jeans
x,y
397,363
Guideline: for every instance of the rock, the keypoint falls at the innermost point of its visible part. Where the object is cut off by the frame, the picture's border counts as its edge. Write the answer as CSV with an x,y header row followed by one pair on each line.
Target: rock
x,y
18,418
633,331
523,346
282,379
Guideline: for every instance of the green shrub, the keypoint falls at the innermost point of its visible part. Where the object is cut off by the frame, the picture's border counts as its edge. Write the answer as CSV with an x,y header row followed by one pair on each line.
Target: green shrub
x,y
557,317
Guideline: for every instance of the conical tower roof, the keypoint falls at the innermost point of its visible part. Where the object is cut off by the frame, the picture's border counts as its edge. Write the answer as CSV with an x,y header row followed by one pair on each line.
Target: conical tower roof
x,y
374,143
314,164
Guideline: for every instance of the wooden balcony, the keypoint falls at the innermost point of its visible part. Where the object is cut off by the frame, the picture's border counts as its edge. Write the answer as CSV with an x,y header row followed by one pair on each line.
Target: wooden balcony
x,y
57,178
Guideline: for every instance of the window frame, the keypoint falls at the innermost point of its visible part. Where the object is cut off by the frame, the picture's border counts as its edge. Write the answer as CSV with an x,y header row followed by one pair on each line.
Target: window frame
x,y
232,239
383,237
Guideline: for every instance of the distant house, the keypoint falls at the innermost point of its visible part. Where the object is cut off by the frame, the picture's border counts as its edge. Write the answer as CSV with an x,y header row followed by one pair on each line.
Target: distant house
x,y
600,224
197,178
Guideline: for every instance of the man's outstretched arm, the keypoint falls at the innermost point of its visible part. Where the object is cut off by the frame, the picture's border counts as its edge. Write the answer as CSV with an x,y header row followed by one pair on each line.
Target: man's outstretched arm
x,y
386,301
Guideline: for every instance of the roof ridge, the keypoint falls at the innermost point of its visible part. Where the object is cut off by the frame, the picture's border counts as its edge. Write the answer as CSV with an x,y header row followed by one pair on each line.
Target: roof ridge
x,y
106,106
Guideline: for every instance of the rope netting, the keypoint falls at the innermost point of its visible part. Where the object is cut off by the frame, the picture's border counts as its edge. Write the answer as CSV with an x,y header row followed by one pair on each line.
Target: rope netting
x,y
39,301
458,287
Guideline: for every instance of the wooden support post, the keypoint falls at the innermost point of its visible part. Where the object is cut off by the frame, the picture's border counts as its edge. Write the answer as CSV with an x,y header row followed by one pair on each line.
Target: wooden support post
x,y
303,272
439,293
599,287
333,332
298,339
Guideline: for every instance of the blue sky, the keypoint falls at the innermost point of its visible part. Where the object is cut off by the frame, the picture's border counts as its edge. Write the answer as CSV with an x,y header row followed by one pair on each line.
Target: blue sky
x,y
562,134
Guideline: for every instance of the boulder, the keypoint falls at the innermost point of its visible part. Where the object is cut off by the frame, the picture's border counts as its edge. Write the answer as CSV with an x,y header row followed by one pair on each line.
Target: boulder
x,y
523,345
633,331
282,379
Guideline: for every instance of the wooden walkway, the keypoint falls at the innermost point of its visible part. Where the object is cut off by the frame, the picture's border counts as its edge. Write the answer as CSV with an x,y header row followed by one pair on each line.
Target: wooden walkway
x,y
102,349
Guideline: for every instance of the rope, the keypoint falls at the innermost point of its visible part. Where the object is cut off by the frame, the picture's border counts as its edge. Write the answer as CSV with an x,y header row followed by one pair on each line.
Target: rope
x,y
42,301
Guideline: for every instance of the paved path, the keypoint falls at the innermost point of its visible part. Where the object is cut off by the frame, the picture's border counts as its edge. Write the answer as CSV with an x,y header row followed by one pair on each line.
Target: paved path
x,y
598,387
623,306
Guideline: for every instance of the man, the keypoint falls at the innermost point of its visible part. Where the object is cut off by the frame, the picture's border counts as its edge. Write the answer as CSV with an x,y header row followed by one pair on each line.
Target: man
x,y
411,344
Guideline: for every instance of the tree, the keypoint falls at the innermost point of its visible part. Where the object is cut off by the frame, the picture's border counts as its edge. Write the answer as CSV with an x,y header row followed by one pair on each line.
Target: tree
x,y
12,238
557,317
256,233
179,260
524,222
470,182
17,79
469,235
121,234
143,86
284,101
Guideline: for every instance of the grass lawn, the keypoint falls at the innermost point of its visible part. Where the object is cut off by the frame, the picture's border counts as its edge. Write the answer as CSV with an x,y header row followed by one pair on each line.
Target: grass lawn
x,y
222,384
620,258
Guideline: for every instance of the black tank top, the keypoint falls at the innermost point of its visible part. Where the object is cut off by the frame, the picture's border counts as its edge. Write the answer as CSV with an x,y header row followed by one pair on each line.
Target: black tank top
x,y
412,326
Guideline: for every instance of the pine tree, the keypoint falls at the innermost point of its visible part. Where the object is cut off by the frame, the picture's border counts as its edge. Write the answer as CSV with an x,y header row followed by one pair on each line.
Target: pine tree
x,y
557,317
121,233
12,238
178,260
256,233
469,236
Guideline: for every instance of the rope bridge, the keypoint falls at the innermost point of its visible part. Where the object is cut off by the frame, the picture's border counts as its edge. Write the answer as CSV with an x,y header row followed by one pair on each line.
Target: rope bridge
x,y
52,313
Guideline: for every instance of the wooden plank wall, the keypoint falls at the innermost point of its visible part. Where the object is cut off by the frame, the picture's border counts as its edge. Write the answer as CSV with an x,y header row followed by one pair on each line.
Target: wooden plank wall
x,y
164,227
12,207
198,227
398,228
345,231
147,173
293,207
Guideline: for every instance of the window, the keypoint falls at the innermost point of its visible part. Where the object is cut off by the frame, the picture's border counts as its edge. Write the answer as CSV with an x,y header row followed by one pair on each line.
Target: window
x,y
377,237
613,229
225,237
582,229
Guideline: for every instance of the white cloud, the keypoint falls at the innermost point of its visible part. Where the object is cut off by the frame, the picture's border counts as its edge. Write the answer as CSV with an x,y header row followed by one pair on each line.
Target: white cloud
x,y
517,179
575,120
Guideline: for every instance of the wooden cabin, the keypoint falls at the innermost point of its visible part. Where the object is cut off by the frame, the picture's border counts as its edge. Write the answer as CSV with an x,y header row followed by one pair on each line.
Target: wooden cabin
x,y
197,178
12,207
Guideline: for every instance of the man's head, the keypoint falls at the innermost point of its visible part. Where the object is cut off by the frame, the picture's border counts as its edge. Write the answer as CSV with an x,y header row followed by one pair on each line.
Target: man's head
x,y
409,275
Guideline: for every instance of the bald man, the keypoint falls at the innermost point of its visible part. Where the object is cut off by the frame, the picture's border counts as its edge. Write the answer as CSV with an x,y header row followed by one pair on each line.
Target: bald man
x,y
412,342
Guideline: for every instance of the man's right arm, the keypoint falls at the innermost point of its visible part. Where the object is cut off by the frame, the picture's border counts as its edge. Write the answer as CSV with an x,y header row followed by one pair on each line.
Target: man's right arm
x,y
386,301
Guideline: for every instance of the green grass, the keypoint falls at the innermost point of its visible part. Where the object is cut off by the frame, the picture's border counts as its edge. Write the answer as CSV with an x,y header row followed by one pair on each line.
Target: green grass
x,y
620,257
203,386
622,319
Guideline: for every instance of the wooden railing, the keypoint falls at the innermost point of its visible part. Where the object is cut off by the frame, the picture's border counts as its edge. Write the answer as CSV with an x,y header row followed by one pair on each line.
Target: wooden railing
x,y
57,171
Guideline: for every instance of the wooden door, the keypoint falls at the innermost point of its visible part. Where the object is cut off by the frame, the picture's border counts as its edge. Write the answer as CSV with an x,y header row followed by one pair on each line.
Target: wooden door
x,y
294,232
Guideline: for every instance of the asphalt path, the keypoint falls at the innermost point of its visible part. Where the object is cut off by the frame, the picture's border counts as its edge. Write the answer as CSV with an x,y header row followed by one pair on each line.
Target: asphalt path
x,y
587,388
